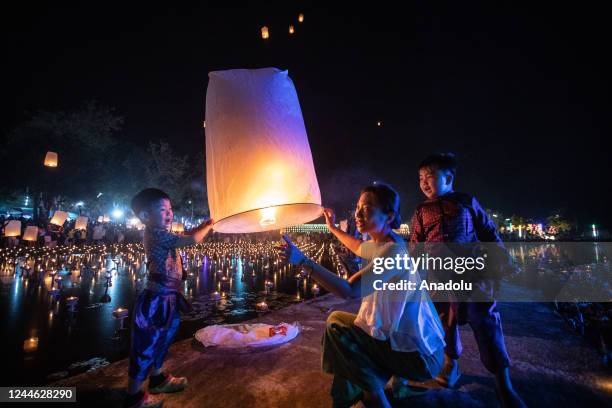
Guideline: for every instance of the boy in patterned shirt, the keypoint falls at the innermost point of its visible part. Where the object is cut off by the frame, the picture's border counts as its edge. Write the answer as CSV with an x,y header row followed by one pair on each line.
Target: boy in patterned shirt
x,y
156,312
457,218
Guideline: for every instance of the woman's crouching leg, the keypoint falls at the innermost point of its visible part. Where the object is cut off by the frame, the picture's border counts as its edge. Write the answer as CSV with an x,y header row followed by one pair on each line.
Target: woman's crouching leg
x,y
347,354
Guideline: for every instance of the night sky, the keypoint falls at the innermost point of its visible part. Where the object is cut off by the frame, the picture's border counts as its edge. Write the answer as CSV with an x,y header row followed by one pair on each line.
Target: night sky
x,y
520,94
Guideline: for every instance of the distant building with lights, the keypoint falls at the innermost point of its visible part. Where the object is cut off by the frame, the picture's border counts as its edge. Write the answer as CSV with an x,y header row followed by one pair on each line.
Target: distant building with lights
x,y
403,230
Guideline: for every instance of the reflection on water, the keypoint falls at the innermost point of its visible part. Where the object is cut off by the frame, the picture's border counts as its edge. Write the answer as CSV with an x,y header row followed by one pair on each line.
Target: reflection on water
x,y
66,310
564,271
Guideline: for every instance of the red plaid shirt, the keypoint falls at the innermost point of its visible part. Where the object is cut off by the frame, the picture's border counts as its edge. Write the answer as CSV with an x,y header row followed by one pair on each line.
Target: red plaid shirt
x,y
459,219
454,217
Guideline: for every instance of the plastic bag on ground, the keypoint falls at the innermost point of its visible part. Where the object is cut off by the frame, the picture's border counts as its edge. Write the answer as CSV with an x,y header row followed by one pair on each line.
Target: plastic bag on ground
x,y
245,335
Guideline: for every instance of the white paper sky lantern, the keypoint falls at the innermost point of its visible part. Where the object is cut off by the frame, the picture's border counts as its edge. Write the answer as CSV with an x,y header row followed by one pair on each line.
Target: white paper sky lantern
x,y
51,159
12,229
81,223
259,170
30,233
59,218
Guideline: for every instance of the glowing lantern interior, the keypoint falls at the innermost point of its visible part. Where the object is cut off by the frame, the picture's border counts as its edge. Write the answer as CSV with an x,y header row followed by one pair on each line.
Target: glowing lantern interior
x,y
81,223
51,159
260,174
177,227
59,218
12,229
30,233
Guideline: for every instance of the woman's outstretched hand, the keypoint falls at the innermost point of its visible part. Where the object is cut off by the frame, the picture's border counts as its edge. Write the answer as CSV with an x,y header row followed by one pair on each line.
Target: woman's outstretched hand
x,y
330,217
289,252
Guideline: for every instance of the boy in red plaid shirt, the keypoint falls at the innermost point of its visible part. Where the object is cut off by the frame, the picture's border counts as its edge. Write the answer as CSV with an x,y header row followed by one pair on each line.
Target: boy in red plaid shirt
x,y
451,217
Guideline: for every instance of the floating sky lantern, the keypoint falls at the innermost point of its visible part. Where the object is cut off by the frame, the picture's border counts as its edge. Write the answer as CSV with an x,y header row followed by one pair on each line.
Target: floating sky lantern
x,y
51,159
81,223
260,174
59,218
291,29
30,233
13,228
264,33
177,228
301,17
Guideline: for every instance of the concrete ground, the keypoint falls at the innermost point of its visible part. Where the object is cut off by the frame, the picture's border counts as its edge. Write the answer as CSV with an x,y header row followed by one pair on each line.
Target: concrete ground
x,y
551,367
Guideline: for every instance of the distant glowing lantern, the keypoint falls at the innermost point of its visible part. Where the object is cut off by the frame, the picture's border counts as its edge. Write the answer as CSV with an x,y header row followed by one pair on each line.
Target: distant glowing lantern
x,y
260,174
264,33
81,223
291,29
59,218
30,345
51,159
301,17
30,233
178,228
12,229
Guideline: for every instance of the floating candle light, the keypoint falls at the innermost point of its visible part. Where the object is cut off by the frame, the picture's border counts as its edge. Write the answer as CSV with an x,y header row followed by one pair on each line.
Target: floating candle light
x,y
261,306
120,313
71,302
30,345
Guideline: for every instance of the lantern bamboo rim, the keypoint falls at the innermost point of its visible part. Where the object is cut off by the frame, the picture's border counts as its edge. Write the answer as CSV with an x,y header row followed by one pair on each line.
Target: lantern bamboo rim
x,y
269,206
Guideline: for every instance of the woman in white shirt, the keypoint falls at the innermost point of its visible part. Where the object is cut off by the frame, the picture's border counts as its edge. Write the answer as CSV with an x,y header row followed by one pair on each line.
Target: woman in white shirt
x,y
396,332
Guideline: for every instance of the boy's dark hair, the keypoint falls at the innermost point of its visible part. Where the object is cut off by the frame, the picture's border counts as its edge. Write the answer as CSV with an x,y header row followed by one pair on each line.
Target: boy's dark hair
x,y
388,199
145,198
440,161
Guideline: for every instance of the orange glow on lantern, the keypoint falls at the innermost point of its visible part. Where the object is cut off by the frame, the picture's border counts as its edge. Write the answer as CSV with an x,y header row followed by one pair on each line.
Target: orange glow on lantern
x,y
13,228
177,228
51,159
260,174
30,233
81,223
59,218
